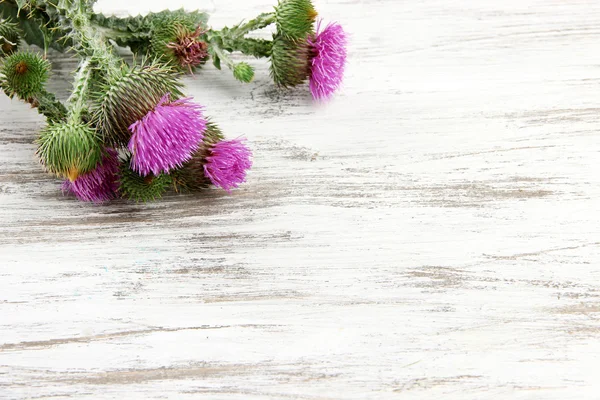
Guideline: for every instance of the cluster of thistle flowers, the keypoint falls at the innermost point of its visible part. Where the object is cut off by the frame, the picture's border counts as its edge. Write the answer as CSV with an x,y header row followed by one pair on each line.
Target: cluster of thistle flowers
x,y
127,131
301,48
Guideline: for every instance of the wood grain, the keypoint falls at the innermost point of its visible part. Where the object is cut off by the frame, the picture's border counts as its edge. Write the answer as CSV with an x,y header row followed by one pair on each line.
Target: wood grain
x,y
432,232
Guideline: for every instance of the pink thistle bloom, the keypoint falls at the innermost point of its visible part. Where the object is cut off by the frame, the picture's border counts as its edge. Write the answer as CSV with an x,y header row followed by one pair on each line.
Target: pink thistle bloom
x,y
167,136
98,185
227,164
327,65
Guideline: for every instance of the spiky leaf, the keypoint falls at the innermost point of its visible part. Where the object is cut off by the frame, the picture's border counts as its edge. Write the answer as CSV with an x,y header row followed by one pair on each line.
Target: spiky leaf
x,y
289,61
10,35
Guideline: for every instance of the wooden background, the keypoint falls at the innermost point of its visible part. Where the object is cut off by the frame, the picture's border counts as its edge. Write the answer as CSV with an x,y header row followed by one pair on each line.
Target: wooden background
x,y
431,233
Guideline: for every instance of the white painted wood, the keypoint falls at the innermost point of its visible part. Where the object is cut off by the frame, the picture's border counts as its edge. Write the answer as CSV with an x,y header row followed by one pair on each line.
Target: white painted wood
x,y
431,233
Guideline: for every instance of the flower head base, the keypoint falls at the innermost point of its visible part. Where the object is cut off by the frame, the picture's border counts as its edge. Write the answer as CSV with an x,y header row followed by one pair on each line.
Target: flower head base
x,y
25,74
166,136
138,188
289,61
129,96
328,62
227,164
188,50
69,149
295,18
100,184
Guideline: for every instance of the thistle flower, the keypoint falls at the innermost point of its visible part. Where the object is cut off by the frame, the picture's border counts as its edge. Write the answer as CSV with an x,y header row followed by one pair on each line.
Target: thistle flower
x,y
186,49
227,164
69,149
328,49
138,188
99,184
128,96
166,136
10,35
25,74
295,18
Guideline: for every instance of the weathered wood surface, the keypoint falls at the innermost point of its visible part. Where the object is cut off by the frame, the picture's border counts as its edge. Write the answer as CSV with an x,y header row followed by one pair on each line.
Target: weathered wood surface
x,y
432,232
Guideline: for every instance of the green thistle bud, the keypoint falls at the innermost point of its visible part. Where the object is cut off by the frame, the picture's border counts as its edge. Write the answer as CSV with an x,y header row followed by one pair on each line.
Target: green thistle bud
x,y
69,149
10,35
191,176
24,74
141,188
128,97
295,18
243,72
289,61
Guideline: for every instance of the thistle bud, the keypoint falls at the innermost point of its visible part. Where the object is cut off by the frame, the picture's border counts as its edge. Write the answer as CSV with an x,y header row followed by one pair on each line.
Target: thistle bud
x,y
139,188
243,72
295,18
69,149
128,97
24,74
10,35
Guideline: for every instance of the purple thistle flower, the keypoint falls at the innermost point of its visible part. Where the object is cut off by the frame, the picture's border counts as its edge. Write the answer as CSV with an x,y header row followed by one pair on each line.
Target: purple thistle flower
x,y
227,164
327,65
167,136
98,185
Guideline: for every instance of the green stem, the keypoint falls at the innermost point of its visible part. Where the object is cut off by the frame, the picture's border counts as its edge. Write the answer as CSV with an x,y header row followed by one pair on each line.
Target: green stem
x,y
242,29
219,54
259,48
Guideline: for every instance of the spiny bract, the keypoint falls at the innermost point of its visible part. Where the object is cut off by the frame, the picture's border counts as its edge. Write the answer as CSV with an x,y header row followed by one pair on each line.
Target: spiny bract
x,y
69,149
128,96
295,18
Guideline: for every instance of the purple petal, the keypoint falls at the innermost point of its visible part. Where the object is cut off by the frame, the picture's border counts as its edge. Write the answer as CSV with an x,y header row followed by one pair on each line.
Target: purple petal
x,y
99,184
167,136
327,69
227,164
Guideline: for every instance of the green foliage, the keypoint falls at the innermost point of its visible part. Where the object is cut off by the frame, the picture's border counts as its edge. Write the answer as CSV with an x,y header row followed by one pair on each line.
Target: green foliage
x,y
49,106
138,188
289,61
243,72
10,35
69,149
39,22
295,18
24,74
137,32
190,177
128,96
